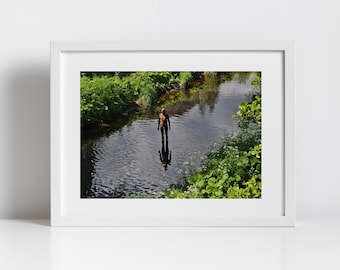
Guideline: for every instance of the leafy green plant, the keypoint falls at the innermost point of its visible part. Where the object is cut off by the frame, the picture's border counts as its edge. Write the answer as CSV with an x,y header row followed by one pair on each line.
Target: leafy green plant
x,y
257,81
249,112
211,80
184,77
102,97
105,95
226,173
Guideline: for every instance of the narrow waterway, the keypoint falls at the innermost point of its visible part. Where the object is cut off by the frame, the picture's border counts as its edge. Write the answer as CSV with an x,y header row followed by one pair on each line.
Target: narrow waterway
x,y
133,161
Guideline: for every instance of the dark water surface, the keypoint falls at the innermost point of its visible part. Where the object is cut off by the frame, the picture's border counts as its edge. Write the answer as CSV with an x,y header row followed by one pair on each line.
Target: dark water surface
x,y
127,162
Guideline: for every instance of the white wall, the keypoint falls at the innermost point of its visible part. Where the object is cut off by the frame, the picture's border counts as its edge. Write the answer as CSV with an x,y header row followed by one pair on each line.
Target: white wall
x,y
28,26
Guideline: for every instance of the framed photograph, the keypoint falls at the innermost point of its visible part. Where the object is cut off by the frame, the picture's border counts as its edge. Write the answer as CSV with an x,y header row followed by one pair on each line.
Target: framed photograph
x,y
172,133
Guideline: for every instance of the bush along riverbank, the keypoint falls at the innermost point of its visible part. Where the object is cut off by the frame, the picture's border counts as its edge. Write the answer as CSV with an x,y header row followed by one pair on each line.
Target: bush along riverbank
x,y
104,96
232,168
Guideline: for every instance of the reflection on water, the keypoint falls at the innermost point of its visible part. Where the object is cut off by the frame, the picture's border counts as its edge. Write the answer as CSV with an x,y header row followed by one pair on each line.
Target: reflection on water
x,y
207,100
133,160
165,155
242,77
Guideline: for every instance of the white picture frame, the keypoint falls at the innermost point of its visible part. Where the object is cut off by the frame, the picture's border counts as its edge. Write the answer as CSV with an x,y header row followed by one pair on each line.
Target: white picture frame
x,y
275,58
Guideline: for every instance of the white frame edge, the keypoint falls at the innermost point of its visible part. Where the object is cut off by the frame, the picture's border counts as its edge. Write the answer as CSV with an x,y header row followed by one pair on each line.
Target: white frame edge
x,y
287,47
289,127
55,132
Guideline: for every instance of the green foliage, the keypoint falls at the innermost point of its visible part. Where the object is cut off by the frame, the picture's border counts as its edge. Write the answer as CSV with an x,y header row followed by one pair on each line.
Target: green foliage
x,y
101,97
257,82
211,80
143,86
184,77
172,98
242,77
227,76
226,173
204,93
105,95
249,112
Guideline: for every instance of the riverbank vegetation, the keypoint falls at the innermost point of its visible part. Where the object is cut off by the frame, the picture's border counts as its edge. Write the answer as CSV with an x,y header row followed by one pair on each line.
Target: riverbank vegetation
x,y
104,96
232,168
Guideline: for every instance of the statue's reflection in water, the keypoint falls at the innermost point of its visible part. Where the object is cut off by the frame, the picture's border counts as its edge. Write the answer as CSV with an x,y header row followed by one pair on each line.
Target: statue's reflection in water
x,y
165,155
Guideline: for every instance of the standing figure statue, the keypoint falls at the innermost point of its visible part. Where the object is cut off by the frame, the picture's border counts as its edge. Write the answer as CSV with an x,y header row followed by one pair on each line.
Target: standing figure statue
x,y
164,123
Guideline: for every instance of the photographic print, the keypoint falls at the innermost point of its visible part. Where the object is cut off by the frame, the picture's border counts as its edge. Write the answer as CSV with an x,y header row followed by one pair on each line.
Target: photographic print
x,y
172,133
169,135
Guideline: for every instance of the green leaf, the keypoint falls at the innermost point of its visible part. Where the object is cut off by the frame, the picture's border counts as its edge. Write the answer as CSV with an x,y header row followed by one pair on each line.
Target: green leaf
x,y
212,181
200,183
253,160
244,160
219,193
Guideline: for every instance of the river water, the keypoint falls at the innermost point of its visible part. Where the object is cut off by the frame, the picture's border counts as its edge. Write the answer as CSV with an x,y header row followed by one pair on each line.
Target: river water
x,y
133,161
